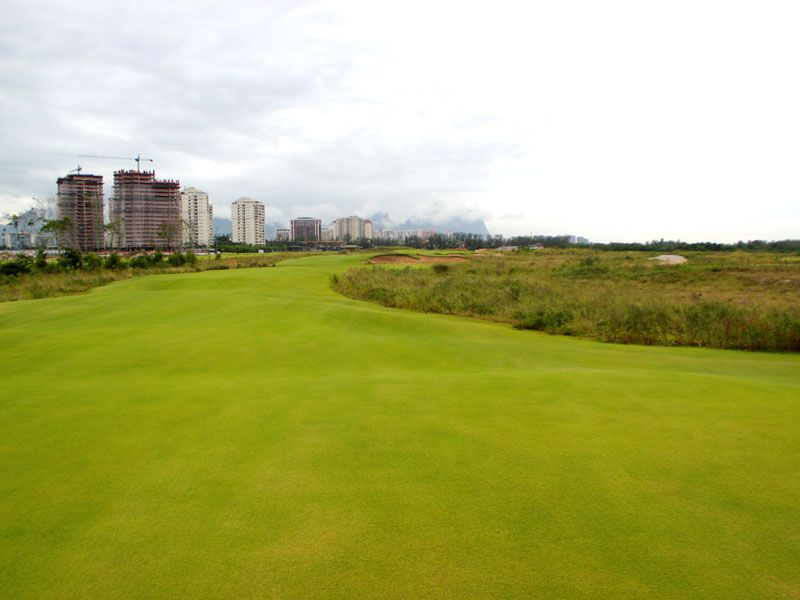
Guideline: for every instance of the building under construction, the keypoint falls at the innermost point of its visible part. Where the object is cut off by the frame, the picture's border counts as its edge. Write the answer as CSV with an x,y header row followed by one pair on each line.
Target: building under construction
x,y
145,213
80,204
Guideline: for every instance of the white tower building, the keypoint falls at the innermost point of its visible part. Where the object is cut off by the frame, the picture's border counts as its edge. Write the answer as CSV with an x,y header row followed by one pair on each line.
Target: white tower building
x,y
248,222
197,216
352,228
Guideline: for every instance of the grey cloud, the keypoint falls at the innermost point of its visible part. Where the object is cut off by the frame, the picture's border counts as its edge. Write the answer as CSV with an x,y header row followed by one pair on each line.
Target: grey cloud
x,y
189,82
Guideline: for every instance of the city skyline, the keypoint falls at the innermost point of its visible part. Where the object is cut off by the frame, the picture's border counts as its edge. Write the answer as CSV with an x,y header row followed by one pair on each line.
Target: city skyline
x,y
142,212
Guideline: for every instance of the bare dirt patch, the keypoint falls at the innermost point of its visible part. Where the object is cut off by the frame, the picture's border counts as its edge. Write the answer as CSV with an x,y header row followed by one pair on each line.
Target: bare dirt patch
x,y
670,259
415,259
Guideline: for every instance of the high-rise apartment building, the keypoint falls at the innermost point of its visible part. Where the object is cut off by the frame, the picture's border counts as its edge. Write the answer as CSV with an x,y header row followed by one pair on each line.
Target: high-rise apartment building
x,y
401,235
283,235
197,216
248,222
306,229
145,213
352,228
80,202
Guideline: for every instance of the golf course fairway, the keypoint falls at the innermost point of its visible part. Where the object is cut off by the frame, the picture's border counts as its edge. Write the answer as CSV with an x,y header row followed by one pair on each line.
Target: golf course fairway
x,y
251,433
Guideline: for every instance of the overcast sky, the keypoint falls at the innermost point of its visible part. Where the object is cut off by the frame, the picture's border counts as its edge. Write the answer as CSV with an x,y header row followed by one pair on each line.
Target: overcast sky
x,y
616,120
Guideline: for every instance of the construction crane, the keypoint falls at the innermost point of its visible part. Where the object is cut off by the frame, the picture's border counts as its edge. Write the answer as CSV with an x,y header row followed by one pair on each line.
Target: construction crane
x,y
78,170
137,158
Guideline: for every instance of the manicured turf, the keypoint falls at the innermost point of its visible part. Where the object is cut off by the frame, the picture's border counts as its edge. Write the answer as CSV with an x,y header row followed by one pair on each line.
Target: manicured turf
x,y
252,433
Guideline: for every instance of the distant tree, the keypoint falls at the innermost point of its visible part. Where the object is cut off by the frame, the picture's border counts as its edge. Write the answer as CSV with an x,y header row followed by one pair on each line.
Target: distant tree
x,y
59,227
188,234
41,259
46,208
114,229
168,233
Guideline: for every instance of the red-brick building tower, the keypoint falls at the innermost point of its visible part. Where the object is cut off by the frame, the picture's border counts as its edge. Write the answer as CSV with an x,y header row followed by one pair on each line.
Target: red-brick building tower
x,y
80,201
145,211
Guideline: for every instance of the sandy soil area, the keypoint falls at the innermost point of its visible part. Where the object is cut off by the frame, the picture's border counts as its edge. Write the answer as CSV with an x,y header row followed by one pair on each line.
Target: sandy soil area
x,y
416,259
670,259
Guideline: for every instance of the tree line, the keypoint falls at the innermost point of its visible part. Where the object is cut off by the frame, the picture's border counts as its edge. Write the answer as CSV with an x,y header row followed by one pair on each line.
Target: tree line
x,y
71,260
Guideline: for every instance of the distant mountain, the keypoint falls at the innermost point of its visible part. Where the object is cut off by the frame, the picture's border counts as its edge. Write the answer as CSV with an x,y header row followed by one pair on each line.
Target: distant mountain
x,y
222,226
382,220
456,225
272,229
30,221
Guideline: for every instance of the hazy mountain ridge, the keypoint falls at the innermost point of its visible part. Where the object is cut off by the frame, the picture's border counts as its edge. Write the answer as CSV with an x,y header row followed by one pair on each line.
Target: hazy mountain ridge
x,y
456,224
222,226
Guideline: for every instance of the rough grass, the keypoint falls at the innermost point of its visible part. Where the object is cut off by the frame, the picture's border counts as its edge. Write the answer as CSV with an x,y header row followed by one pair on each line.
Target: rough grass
x,y
251,433
53,283
723,300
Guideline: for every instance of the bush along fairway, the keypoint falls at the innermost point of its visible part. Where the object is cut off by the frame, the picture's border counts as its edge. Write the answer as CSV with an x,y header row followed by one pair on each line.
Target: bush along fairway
x,y
252,433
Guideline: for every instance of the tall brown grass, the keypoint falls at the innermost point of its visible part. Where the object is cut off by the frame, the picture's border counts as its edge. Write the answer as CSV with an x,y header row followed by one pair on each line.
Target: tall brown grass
x,y
723,300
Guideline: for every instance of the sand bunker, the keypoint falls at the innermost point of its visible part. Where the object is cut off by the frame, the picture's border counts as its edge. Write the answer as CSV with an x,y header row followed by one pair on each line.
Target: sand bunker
x,y
670,259
385,259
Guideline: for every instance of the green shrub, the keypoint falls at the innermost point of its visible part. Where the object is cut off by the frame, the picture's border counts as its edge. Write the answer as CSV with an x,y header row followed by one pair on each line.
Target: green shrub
x,y
479,308
114,262
40,262
91,261
176,259
16,267
551,320
70,259
381,295
587,267
143,261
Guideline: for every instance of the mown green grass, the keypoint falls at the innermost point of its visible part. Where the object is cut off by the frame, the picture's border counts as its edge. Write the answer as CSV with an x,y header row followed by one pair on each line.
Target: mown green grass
x,y
251,433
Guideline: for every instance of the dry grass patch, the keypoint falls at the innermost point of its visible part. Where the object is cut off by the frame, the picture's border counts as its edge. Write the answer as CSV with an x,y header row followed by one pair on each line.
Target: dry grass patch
x,y
724,300
413,259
